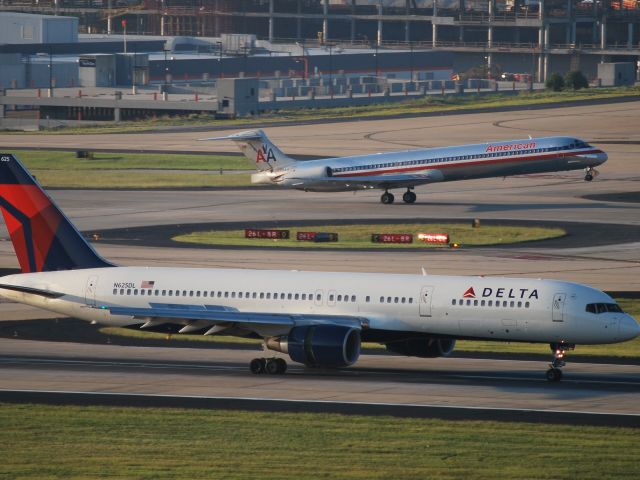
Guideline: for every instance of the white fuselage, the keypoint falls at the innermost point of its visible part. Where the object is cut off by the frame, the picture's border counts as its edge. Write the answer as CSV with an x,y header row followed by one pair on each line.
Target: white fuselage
x,y
516,309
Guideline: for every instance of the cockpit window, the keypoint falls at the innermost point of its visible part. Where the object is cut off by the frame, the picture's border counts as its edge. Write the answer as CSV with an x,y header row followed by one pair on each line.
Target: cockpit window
x,y
603,308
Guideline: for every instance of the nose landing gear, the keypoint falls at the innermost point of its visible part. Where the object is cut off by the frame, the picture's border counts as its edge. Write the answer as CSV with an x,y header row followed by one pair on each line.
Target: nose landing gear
x,y
589,174
554,374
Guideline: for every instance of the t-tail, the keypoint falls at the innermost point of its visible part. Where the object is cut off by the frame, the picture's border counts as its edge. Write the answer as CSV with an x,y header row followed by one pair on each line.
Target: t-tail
x,y
43,237
260,151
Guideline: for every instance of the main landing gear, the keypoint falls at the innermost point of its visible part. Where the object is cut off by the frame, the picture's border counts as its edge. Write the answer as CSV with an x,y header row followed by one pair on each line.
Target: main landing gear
x,y
272,366
387,198
408,197
554,374
589,174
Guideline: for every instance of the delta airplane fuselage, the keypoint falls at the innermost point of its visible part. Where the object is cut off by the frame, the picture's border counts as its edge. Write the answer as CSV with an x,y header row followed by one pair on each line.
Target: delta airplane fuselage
x,y
385,306
409,168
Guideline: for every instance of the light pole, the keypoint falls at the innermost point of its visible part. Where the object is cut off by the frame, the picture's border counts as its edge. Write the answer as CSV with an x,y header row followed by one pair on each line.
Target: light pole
x,y
50,72
411,60
330,70
166,70
375,56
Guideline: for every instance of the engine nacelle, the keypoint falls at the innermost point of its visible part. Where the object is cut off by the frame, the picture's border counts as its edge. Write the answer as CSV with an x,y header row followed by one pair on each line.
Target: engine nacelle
x,y
423,347
330,346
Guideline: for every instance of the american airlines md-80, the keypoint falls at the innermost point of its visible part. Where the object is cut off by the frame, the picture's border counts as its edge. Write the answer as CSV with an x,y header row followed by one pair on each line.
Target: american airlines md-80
x,y
319,319
410,168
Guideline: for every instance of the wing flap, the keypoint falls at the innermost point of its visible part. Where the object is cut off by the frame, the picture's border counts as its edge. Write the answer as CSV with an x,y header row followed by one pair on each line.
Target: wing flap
x,y
199,317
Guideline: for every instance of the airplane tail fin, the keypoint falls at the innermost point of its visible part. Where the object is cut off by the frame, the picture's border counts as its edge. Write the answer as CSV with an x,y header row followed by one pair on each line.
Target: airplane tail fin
x,y
260,151
43,237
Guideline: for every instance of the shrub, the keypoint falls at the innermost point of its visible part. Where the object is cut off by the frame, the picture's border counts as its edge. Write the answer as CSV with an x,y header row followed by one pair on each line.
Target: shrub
x,y
555,82
576,80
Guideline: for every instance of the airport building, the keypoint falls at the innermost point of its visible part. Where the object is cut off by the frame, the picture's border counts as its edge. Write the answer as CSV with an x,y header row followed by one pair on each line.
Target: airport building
x,y
533,36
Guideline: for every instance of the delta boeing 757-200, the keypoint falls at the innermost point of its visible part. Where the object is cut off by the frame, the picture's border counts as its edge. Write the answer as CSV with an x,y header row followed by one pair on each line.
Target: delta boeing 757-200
x,y
410,168
319,319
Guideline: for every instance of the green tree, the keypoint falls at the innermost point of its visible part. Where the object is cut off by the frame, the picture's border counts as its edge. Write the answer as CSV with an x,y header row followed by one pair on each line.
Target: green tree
x,y
576,80
555,82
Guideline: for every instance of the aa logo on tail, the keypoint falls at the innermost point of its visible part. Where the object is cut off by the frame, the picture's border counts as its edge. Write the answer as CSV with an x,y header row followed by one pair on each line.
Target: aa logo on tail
x,y
265,155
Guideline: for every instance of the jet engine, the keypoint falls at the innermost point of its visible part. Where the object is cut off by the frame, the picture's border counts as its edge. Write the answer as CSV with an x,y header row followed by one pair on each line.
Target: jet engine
x,y
423,347
331,346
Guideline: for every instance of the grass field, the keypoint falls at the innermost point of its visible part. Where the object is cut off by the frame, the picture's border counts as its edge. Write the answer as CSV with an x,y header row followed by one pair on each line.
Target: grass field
x,y
134,170
50,442
432,103
629,349
359,236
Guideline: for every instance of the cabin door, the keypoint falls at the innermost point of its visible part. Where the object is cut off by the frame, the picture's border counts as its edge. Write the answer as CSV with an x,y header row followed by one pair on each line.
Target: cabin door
x,y
425,301
557,308
90,290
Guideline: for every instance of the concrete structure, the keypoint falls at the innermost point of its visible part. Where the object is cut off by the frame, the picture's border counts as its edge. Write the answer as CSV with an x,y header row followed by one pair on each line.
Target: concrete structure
x,y
616,74
238,97
97,70
23,28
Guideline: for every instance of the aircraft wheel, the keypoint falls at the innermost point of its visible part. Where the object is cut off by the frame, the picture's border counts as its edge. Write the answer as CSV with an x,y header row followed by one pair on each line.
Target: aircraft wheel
x,y
554,374
257,365
588,177
282,365
409,197
387,198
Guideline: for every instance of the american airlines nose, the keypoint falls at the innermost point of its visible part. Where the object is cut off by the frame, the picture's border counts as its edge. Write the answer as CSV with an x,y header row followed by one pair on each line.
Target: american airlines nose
x,y
602,157
628,328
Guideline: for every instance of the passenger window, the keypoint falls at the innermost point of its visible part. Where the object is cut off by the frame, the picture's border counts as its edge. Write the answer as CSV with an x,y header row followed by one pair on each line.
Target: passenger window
x,y
164,292
475,303
403,300
367,299
171,293
219,294
128,291
304,296
135,291
482,303
468,303
519,304
141,292
388,299
157,292
339,298
526,304
177,293
318,297
122,291
184,293
254,295
512,304
288,296
331,297
504,304
226,294
353,298
204,293
261,295
115,291
410,299
395,300
381,299
268,295
490,303
453,302
198,293
191,293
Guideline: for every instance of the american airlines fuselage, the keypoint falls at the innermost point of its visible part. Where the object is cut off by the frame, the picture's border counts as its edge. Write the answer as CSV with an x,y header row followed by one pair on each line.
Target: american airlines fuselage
x,y
406,169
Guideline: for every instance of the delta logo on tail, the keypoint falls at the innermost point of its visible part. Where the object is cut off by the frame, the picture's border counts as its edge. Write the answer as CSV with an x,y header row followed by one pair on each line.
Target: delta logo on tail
x,y
470,293
265,155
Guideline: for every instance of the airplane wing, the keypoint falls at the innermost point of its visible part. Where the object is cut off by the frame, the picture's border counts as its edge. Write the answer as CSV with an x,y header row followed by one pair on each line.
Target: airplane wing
x,y
387,181
216,318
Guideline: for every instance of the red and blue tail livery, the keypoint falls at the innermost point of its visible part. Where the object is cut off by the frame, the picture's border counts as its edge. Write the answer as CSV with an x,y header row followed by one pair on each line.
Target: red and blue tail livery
x,y
43,238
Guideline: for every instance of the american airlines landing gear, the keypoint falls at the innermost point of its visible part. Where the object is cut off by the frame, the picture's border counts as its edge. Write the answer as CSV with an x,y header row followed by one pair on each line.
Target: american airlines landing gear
x,y
589,173
409,197
554,374
387,198
272,366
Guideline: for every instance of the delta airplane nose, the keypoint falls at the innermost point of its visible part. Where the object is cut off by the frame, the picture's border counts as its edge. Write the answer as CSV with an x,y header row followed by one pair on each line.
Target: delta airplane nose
x,y
628,328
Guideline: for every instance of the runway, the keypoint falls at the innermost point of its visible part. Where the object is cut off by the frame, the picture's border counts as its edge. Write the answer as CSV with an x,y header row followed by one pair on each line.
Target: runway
x,y
379,384
401,384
